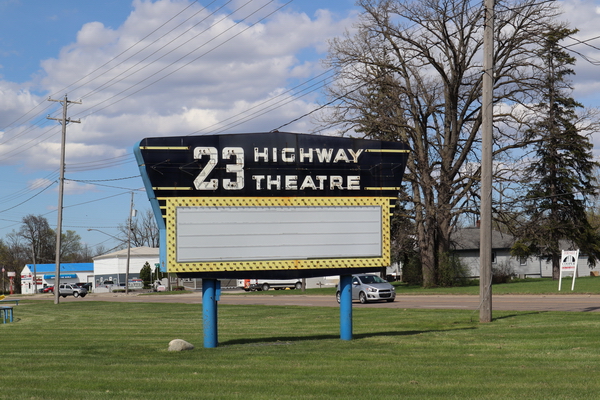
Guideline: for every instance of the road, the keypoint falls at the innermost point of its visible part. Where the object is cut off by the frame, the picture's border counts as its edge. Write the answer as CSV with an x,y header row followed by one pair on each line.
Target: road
x,y
583,303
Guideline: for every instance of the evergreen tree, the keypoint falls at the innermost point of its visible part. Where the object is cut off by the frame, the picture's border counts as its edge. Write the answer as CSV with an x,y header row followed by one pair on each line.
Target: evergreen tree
x,y
146,275
562,175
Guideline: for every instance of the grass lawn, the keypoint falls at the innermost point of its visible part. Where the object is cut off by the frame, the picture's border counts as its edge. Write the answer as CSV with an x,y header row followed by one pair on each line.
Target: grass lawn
x,y
583,285
105,350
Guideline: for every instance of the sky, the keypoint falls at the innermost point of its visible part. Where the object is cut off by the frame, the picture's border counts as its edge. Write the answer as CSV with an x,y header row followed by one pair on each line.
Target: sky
x,y
147,68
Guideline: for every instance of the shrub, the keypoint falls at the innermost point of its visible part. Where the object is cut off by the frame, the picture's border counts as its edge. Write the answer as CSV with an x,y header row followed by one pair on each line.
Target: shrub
x,y
451,271
412,273
503,272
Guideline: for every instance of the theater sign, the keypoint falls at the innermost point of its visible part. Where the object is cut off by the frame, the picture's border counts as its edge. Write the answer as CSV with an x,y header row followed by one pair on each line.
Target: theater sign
x,y
272,204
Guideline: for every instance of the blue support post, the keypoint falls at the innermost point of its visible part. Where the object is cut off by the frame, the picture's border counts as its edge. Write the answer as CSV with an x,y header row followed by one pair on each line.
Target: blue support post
x,y
210,293
346,307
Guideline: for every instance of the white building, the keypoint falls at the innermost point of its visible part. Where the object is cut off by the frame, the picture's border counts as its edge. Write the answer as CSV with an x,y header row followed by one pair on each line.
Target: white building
x,y
45,273
112,267
466,246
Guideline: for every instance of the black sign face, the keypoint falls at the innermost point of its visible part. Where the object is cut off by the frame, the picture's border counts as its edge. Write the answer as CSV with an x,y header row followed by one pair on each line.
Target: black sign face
x,y
272,164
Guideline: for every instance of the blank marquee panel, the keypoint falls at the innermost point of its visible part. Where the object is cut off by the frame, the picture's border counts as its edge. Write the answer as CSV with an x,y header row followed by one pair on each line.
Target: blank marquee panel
x,y
209,234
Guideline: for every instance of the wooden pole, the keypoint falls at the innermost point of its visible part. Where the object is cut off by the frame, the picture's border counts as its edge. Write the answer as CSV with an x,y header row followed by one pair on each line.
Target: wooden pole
x,y
485,255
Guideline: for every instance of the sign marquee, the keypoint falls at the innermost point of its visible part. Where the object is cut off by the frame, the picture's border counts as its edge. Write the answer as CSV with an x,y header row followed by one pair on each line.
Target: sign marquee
x,y
276,202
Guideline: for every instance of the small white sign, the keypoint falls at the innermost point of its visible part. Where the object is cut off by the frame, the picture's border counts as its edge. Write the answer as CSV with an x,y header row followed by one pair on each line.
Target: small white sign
x,y
568,263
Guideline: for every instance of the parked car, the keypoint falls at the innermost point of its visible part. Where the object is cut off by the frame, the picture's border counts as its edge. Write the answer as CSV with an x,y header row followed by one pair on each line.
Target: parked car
x,y
48,289
71,289
367,287
85,285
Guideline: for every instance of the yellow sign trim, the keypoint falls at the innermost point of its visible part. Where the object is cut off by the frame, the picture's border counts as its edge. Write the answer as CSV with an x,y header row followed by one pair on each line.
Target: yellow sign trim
x,y
269,265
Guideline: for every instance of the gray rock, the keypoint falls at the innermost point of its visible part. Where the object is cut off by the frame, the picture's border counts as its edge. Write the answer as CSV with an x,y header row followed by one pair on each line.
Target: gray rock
x,y
180,345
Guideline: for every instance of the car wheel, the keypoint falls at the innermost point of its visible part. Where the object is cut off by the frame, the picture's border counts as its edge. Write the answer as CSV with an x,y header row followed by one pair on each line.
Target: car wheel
x,y
64,295
82,296
337,297
298,285
362,297
75,294
265,287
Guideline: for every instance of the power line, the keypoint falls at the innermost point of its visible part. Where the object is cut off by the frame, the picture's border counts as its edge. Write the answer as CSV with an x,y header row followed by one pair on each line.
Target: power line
x,y
180,59
239,119
64,89
130,48
173,63
30,198
106,84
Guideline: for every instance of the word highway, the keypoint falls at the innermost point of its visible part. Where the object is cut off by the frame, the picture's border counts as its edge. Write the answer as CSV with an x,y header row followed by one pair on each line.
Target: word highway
x,y
300,178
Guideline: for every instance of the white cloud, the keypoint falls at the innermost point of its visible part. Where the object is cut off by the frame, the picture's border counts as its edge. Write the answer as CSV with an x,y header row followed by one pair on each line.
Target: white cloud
x,y
186,77
40,183
577,13
77,188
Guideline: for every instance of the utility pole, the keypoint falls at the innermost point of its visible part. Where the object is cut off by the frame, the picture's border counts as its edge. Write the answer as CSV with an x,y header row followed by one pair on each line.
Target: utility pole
x,y
34,267
487,105
61,186
128,245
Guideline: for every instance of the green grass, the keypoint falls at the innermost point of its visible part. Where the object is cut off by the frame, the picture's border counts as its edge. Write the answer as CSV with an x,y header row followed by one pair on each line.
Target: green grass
x,y
105,350
583,285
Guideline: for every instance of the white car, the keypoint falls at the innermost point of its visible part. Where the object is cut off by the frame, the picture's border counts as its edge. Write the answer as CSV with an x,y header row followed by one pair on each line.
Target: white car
x,y
265,284
367,287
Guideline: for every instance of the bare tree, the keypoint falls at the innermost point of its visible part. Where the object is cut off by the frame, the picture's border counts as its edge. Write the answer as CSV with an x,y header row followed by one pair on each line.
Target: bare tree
x,y
38,238
86,254
40,241
413,73
71,249
13,256
144,231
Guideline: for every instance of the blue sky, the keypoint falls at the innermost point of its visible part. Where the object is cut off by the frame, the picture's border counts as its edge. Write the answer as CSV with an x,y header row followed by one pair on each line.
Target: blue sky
x,y
46,47
212,79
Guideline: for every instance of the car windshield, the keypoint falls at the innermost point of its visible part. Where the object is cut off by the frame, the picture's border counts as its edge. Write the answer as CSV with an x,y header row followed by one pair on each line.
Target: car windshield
x,y
371,279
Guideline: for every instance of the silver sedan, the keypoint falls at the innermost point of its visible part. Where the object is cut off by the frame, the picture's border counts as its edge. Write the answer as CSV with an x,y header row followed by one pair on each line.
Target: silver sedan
x,y
367,287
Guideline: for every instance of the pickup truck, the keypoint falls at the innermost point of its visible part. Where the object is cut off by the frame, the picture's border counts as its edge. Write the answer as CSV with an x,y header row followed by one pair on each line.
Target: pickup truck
x,y
71,289
250,285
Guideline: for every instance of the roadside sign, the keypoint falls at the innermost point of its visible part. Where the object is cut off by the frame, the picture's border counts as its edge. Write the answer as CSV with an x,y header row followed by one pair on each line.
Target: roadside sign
x,y
568,264
278,204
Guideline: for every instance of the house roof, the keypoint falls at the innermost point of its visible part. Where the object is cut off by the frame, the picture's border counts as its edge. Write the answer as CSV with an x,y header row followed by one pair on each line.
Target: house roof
x,y
469,239
135,252
64,267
